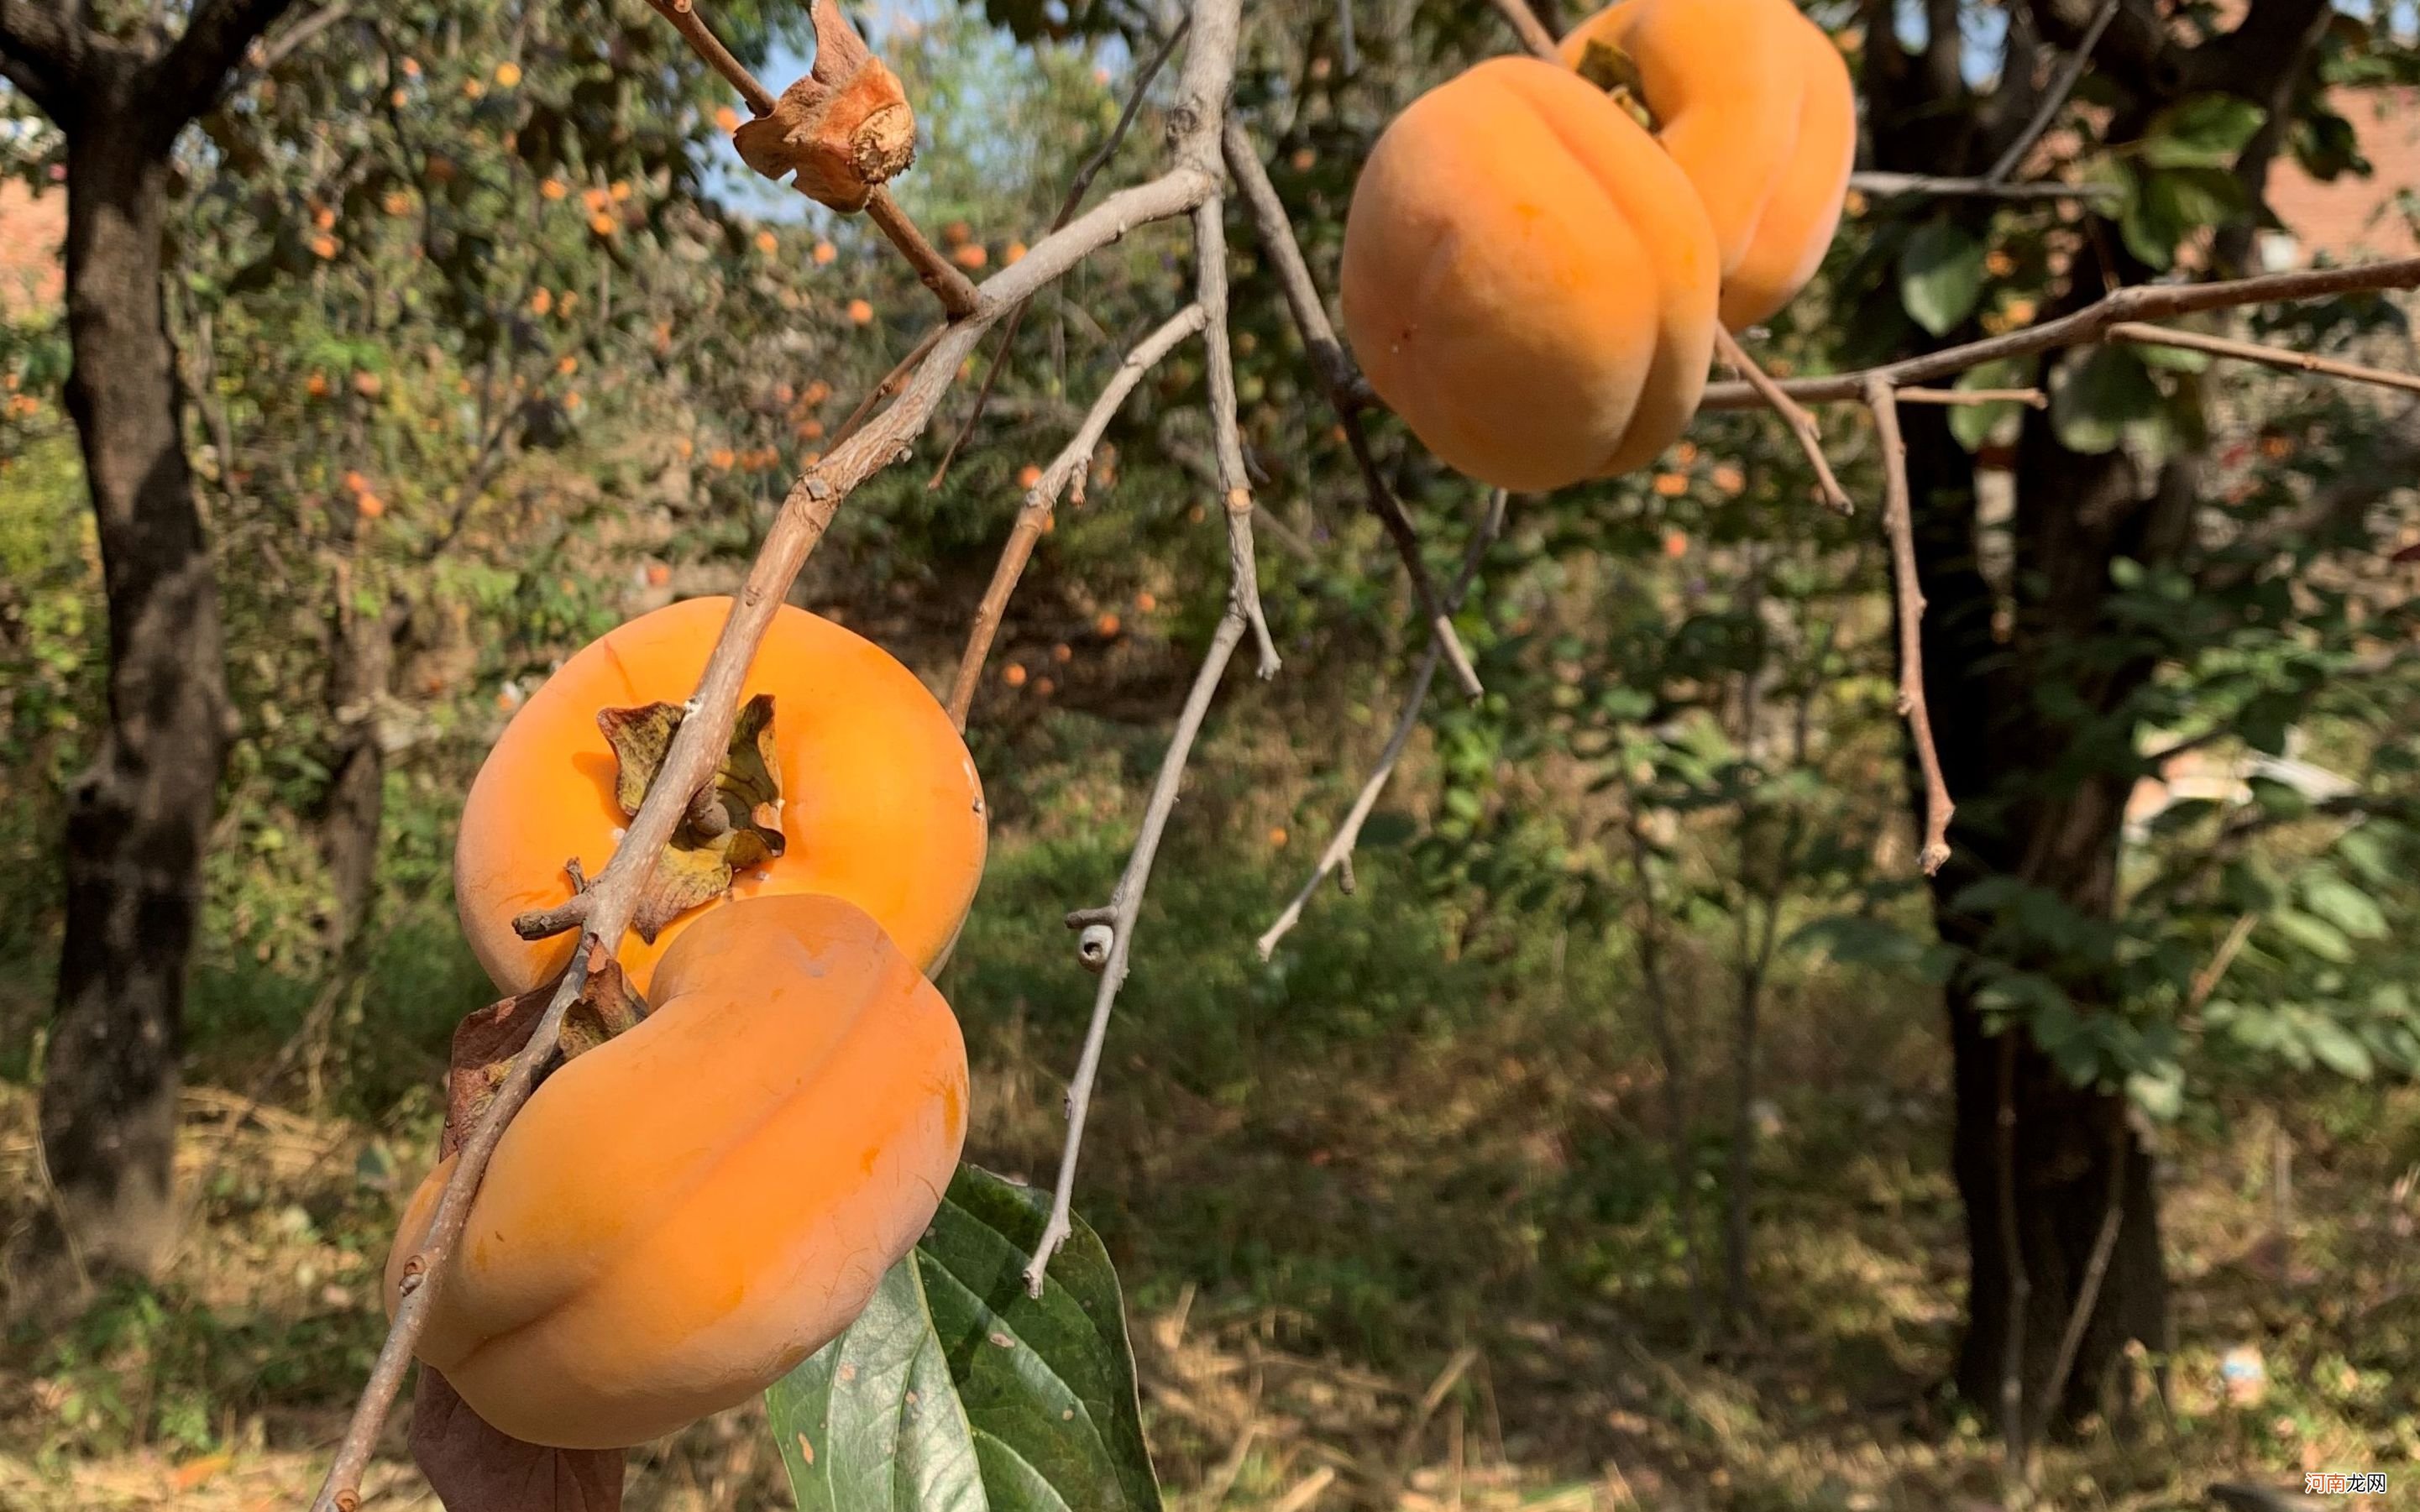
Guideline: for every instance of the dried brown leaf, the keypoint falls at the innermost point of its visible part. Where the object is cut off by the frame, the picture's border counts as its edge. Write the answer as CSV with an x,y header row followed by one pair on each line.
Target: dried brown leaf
x,y
845,130
474,1466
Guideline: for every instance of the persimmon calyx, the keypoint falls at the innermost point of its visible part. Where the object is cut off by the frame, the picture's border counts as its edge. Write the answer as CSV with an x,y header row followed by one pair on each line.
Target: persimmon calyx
x,y
731,825
1616,72
845,130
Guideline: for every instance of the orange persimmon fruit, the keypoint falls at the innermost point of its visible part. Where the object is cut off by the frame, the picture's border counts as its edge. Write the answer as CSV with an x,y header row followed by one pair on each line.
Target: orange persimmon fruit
x,y
874,797
681,1215
1754,102
1529,280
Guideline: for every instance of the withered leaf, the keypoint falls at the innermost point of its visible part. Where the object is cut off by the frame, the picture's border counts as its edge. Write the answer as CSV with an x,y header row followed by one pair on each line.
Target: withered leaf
x,y
843,130
730,827
474,1466
485,1042
1616,72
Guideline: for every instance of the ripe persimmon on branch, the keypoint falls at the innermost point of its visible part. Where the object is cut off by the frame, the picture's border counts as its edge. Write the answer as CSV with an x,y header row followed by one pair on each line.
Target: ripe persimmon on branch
x,y
607,905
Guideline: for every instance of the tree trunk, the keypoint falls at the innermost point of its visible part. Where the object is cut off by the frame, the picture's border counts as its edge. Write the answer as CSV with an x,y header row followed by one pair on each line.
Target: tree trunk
x,y
137,820
362,675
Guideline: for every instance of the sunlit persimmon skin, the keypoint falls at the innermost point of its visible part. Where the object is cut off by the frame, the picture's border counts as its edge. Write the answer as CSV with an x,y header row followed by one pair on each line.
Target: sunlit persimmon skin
x,y
1529,280
679,1216
880,801
1755,104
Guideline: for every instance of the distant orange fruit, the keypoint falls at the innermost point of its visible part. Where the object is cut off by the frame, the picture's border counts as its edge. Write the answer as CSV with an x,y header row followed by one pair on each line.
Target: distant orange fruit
x,y
355,483
316,385
1028,475
2276,448
1013,253
601,224
1676,545
367,385
1063,652
370,505
541,300
1671,485
1109,624
721,457
1278,836
958,233
324,218
825,252
571,400
1998,263
1045,687
684,447
970,256
620,191
397,202
323,247
412,67
817,392
1144,602
1730,479
1013,674
552,189
472,89
1685,452
1303,160
658,574
508,73
811,430
567,364
768,243
727,119
860,312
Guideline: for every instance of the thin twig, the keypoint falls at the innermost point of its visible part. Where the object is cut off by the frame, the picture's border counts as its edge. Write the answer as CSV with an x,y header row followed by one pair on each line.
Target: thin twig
x,y
2142,301
880,393
1077,189
805,513
1898,523
1801,424
937,273
2253,351
2068,74
1339,853
1033,517
2033,397
1342,384
1227,441
1882,185
1532,30
702,40
1202,105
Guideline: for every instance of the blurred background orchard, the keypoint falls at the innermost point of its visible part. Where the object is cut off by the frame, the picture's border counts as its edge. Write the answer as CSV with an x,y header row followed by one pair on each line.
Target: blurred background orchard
x,y
1605,1148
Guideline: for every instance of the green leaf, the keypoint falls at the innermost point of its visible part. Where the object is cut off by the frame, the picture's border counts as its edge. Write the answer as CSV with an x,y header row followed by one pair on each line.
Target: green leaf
x,y
2165,206
955,1392
1854,940
2338,1049
2344,905
2317,936
2096,395
1940,276
2201,131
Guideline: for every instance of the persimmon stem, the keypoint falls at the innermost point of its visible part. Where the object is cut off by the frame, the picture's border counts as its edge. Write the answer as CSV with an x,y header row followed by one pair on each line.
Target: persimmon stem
x,y
704,737
1337,858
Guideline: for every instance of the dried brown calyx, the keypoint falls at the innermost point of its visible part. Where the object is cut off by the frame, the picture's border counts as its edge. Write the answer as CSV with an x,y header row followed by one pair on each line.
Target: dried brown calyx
x,y
1613,71
732,823
845,130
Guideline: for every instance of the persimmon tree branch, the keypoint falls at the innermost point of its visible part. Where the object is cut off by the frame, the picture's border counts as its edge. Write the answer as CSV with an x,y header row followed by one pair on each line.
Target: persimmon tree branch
x,y
1793,414
1336,860
1066,470
1882,184
1899,524
2141,334
1227,441
1532,31
1341,383
1077,189
2055,99
1105,940
606,906
2140,302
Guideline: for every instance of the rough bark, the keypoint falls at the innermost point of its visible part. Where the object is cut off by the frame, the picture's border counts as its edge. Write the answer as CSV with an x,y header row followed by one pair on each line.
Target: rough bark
x,y
137,819
360,677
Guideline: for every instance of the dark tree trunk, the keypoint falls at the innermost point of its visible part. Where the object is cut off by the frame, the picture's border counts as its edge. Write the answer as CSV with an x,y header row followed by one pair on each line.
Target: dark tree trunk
x,y
362,675
137,820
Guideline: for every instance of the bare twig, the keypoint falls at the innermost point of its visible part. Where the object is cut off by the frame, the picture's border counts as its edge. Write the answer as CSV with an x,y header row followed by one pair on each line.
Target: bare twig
x,y
2033,397
805,513
2253,351
1532,31
1882,185
1345,391
270,52
2055,98
1077,189
1898,522
1034,515
1235,485
1801,424
937,273
2143,301
880,393
702,40
1339,853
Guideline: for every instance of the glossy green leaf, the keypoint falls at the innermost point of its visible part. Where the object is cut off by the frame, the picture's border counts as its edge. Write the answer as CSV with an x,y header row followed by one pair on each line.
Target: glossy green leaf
x,y
2096,395
2201,131
954,1390
1940,276
2338,1049
1973,423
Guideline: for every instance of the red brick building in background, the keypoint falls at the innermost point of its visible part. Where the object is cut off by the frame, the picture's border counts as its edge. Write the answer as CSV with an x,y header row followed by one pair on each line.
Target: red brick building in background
x,y
31,228
2353,219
